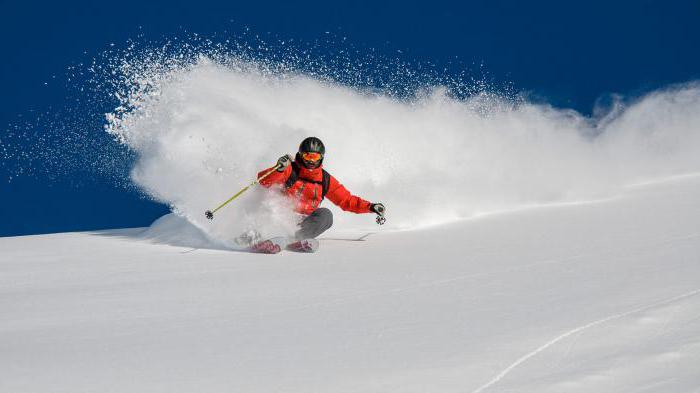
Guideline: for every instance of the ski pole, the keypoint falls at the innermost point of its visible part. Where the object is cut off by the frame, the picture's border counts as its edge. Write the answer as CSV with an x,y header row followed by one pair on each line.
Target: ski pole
x,y
210,213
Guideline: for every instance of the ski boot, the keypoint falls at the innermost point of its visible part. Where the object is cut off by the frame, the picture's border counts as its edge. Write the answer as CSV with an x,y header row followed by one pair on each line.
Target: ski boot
x,y
304,245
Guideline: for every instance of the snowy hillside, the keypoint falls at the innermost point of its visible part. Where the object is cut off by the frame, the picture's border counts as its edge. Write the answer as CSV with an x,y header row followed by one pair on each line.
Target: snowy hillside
x,y
589,297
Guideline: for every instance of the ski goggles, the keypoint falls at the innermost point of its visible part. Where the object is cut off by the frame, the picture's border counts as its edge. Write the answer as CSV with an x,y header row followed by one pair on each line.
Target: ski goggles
x,y
313,157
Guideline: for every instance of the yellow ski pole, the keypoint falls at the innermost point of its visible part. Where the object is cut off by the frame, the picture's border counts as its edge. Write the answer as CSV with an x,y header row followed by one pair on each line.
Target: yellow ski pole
x,y
210,213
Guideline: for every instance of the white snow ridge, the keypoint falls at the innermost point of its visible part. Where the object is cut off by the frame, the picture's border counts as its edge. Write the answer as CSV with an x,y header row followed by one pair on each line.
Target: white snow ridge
x,y
594,297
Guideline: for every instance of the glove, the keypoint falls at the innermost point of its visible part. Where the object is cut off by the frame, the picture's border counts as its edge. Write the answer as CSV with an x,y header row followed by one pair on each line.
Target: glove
x,y
283,162
377,208
380,210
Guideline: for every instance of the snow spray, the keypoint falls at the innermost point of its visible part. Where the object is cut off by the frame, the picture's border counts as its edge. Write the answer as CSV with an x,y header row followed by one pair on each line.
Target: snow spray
x,y
204,128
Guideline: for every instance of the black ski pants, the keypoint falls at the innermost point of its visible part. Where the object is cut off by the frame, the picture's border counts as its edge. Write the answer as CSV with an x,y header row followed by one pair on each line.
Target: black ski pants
x,y
315,224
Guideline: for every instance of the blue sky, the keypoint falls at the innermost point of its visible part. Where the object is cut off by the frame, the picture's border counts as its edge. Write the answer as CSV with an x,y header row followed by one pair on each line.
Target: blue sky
x,y
565,53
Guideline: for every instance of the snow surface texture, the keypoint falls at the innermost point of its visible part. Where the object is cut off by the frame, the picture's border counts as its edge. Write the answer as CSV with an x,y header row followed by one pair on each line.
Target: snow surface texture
x,y
581,297
566,259
203,131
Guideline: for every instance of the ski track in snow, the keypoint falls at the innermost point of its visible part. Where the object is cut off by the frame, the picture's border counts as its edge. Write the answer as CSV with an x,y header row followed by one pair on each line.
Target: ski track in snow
x,y
571,332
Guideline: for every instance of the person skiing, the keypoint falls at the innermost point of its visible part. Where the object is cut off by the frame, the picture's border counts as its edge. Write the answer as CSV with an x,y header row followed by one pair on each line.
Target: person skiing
x,y
307,183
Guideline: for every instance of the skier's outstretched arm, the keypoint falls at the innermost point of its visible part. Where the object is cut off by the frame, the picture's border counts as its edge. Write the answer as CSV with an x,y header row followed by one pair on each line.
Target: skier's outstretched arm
x,y
340,196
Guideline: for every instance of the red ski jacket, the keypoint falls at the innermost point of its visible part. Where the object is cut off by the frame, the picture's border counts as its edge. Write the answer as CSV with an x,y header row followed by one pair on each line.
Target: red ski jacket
x,y
307,190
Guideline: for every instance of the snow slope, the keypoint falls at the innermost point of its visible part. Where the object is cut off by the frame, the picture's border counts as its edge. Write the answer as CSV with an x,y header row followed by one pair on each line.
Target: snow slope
x,y
589,297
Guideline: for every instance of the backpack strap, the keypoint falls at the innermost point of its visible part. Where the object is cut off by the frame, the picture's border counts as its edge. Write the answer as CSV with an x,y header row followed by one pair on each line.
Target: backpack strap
x,y
294,176
325,184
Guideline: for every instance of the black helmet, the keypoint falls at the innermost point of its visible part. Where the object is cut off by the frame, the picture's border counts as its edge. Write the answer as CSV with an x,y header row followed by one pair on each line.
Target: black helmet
x,y
311,145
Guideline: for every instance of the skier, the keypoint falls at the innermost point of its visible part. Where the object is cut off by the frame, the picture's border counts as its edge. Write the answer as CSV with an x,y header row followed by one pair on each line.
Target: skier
x,y
305,180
